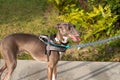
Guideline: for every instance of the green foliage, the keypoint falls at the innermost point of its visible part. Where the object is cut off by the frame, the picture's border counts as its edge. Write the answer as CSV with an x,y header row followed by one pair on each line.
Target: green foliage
x,y
96,24
114,4
62,5
24,56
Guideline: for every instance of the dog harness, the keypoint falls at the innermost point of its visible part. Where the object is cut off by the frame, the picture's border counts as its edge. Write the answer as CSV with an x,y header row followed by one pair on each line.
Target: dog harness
x,y
51,46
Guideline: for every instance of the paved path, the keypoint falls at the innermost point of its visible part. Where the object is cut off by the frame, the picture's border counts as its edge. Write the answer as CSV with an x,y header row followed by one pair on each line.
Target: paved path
x,y
67,70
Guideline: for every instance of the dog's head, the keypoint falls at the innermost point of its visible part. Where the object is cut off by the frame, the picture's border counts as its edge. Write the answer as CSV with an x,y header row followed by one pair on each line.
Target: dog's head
x,y
68,30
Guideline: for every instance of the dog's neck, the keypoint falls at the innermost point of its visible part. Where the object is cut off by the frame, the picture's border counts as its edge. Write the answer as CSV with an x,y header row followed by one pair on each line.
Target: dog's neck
x,y
58,38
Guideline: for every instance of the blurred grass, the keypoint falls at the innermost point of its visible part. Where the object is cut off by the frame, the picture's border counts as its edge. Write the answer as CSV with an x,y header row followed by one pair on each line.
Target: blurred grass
x,y
27,16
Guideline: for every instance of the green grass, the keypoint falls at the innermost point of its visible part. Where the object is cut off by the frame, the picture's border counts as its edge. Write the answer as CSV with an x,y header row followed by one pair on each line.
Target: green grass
x,y
13,11
29,16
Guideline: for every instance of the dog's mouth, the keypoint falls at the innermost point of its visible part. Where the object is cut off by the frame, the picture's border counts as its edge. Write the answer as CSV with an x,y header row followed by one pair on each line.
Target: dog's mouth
x,y
75,38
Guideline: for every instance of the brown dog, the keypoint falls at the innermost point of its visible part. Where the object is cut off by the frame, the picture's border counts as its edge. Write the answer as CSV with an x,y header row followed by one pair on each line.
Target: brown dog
x,y
20,42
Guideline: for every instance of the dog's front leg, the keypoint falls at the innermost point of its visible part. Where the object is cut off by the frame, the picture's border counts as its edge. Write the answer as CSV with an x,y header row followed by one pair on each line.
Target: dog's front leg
x,y
54,74
49,72
52,66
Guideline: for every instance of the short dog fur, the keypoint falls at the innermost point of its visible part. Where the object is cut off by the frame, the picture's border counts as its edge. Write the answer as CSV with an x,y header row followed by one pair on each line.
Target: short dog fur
x,y
13,44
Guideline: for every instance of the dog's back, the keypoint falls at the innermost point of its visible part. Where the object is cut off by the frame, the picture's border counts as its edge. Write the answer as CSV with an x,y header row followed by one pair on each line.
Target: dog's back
x,y
22,41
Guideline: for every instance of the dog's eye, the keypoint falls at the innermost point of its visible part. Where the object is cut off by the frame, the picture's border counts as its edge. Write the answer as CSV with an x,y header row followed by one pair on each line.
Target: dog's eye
x,y
69,28
74,26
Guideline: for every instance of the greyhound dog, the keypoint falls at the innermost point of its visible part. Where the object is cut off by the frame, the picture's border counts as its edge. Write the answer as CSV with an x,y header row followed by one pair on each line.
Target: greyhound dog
x,y
15,43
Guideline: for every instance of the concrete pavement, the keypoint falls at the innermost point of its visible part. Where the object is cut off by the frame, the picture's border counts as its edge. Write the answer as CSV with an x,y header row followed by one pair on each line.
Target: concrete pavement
x,y
67,70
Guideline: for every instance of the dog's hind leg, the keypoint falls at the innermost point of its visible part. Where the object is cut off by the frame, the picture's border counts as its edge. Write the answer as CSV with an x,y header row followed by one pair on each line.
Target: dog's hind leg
x,y
11,68
3,68
11,61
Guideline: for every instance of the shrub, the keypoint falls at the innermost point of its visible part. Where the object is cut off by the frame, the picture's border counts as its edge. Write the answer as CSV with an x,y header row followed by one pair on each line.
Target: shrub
x,y
96,24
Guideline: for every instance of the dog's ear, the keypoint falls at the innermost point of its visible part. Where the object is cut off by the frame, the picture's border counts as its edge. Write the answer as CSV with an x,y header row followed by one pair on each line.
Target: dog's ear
x,y
58,26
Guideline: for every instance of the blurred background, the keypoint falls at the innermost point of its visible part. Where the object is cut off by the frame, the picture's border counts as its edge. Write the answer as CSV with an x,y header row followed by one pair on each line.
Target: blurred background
x,y
96,19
